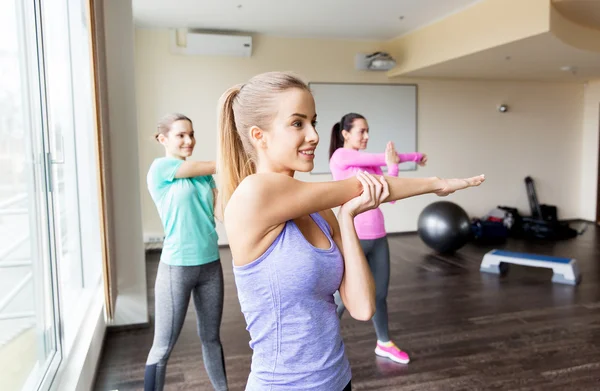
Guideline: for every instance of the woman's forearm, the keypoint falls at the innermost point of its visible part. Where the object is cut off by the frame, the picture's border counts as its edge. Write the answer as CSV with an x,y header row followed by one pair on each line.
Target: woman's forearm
x,y
192,168
401,188
410,157
358,287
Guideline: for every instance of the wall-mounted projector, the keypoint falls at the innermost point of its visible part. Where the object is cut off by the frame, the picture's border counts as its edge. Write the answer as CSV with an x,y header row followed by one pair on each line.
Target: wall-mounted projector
x,y
378,61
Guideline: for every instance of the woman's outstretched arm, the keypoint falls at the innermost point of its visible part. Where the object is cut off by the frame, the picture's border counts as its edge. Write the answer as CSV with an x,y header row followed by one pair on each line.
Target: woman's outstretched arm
x,y
191,168
346,157
269,199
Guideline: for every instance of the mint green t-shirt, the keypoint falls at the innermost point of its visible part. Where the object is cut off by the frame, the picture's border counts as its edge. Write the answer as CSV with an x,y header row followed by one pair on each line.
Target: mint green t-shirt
x,y
185,206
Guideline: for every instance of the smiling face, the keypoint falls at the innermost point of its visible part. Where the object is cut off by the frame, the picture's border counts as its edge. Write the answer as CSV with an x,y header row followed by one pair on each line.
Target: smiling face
x,y
289,142
358,136
179,141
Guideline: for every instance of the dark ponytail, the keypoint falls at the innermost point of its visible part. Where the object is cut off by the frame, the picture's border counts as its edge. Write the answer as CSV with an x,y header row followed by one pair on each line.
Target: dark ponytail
x,y
337,139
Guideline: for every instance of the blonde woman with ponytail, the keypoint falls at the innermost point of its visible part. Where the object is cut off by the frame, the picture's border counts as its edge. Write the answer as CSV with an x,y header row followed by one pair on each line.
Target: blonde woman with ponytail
x,y
290,252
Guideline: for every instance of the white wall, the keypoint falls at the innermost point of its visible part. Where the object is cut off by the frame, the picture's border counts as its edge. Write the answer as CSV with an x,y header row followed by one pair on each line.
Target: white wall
x,y
589,151
458,125
126,218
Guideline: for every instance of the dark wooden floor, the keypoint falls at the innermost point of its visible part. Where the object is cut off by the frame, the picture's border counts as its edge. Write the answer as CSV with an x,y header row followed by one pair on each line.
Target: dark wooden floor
x,y
464,330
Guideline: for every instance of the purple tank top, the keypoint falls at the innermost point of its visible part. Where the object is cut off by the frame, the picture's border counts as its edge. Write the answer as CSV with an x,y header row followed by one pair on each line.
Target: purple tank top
x,y
286,296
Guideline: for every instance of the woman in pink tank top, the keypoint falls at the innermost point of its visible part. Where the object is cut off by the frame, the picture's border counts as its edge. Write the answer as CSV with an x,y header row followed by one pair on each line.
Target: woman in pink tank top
x,y
289,250
349,137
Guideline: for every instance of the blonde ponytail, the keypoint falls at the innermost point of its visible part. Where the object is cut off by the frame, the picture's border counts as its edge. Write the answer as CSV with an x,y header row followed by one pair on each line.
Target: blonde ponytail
x,y
240,108
233,163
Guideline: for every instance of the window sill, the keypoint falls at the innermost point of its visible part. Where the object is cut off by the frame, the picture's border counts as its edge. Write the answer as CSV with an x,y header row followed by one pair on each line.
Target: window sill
x,y
78,368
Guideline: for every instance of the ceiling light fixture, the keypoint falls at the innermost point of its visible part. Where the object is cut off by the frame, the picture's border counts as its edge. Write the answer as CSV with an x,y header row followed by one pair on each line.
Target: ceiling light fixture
x,y
569,68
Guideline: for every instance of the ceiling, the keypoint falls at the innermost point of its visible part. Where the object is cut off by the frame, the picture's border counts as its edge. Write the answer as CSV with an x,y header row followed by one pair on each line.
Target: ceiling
x,y
541,57
583,12
347,19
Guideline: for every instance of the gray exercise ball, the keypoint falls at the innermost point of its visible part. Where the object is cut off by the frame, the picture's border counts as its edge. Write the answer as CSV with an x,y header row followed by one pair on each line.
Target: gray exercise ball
x,y
444,226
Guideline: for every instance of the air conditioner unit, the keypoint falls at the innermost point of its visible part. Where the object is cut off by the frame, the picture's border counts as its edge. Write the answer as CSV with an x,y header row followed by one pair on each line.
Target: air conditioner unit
x,y
378,61
192,43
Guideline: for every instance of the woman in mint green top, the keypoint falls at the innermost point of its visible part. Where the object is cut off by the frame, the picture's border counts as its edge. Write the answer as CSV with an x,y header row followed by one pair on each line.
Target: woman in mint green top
x,y
185,206
184,193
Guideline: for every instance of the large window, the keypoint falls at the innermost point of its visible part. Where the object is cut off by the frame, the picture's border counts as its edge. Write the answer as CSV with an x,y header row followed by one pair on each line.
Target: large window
x,y
50,258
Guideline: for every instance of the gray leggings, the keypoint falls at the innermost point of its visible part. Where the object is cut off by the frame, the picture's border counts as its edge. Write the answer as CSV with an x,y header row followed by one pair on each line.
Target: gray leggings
x,y
377,252
173,288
